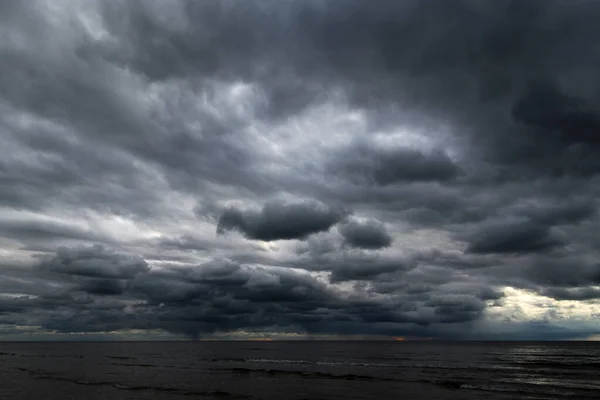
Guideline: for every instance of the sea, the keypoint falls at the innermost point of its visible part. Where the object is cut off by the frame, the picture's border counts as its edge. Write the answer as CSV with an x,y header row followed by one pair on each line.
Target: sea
x,y
299,370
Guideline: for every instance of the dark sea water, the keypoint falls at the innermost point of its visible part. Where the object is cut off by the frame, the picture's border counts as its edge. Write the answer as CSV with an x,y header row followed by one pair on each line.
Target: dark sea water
x,y
299,370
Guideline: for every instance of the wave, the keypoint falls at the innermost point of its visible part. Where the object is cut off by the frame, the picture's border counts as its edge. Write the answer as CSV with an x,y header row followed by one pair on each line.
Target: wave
x,y
553,383
225,359
390,358
120,358
559,392
363,364
491,388
506,389
305,374
490,367
315,363
40,355
382,365
560,364
521,356
140,365
116,385
327,363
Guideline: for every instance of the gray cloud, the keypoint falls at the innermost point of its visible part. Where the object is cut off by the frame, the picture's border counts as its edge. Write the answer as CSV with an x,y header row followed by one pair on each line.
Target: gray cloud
x,y
365,235
566,271
390,166
96,262
364,270
469,129
585,293
544,106
105,287
514,237
280,221
38,230
221,295
569,212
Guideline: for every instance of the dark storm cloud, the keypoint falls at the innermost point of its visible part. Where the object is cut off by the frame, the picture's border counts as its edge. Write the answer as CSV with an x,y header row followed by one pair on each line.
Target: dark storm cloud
x,y
569,271
185,242
544,106
564,213
104,287
317,246
473,126
456,308
490,294
531,227
348,263
393,48
562,131
281,221
366,164
369,234
35,231
365,270
221,295
585,293
521,236
95,262
226,296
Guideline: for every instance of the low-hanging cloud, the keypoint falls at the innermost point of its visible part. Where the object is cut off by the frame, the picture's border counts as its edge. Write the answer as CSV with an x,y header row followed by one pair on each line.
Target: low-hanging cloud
x,y
369,234
438,162
281,221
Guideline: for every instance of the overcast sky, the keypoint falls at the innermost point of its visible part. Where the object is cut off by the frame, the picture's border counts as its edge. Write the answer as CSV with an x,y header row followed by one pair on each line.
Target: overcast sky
x,y
299,168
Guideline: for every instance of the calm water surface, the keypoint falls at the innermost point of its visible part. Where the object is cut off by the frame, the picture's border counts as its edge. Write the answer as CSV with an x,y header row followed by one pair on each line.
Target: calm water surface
x,y
299,370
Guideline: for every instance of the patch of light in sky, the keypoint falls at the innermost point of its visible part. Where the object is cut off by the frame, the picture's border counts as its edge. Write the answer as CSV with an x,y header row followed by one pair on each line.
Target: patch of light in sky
x,y
524,305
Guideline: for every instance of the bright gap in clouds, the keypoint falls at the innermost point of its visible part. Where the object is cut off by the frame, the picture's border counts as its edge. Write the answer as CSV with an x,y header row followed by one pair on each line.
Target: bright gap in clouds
x,y
519,306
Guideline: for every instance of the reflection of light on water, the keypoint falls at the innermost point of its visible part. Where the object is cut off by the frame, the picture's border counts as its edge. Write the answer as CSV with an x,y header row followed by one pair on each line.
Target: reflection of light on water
x,y
542,381
551,366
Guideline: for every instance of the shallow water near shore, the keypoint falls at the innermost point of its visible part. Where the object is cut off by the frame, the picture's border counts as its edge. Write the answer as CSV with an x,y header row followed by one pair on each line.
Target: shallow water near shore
x,y
300,370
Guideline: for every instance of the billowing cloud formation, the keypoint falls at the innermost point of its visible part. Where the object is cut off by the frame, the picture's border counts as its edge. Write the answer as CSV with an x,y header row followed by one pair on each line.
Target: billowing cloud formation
x,y
390,166
544,106
514,237
202,167
278,221
366,234
223,295
96,262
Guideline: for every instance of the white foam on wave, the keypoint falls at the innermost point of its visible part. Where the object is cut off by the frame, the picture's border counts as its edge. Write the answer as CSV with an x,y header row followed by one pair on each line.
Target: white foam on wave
x,y
329,363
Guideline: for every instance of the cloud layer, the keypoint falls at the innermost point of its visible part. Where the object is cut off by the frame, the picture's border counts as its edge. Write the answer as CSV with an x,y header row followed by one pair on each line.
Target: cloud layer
x,y
317,168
